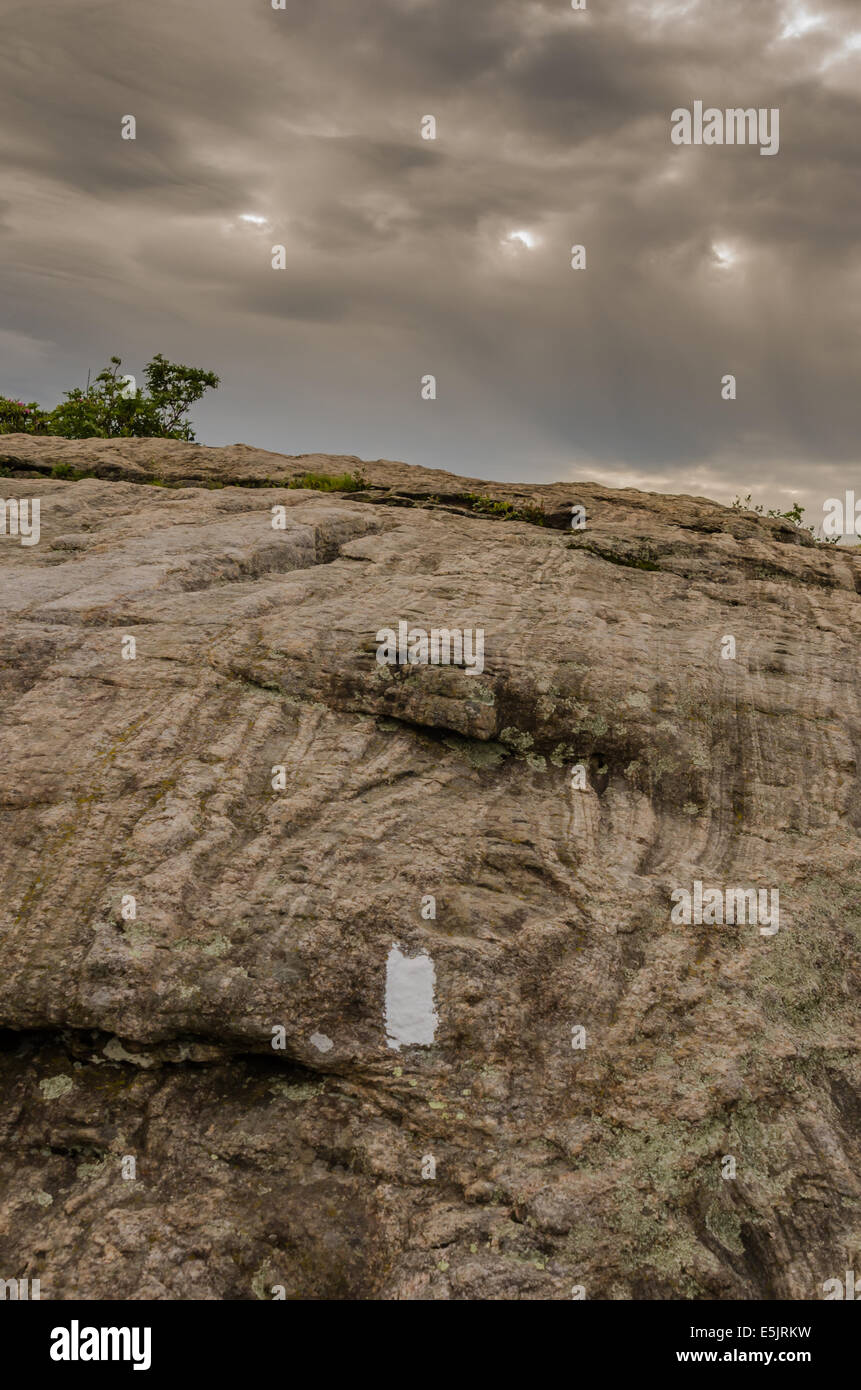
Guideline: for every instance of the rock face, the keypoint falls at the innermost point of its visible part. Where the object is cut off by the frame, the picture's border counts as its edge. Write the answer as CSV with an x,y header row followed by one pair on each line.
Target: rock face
x,y
211,1092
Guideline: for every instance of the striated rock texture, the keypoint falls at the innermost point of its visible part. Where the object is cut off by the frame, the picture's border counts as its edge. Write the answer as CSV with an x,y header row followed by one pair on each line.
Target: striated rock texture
x,y
266,915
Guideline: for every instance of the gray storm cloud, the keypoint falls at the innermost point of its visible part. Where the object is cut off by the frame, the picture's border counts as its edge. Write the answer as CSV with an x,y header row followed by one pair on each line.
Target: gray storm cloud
x,y
452,256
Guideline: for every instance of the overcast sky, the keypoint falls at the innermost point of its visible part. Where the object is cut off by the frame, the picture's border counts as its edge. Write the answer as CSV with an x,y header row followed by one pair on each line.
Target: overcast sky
x,y
451,257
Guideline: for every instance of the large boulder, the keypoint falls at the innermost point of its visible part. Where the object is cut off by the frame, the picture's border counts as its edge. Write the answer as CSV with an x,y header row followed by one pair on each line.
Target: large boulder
x,y
220,843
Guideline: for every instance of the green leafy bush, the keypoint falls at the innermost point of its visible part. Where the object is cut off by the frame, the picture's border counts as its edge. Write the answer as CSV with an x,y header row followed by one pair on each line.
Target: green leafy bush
x,y
108,408
16,417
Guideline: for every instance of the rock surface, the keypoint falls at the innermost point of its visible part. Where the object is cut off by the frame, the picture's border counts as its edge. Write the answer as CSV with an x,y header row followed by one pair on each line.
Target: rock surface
x,y
264,915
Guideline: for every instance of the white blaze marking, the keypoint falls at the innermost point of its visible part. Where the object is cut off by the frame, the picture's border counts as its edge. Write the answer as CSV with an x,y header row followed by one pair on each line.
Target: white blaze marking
x,y
410,1014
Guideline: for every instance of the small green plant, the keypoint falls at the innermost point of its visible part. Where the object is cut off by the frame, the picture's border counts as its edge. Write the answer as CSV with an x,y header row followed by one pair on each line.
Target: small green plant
x,y
795,515
65,470
505,511
330,482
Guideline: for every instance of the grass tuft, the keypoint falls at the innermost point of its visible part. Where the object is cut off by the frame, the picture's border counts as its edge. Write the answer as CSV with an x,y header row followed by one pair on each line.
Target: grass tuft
x,y
330,482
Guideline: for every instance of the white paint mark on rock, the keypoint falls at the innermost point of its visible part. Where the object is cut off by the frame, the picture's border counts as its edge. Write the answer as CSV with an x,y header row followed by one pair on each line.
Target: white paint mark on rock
x,y
410,1014
321,1042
